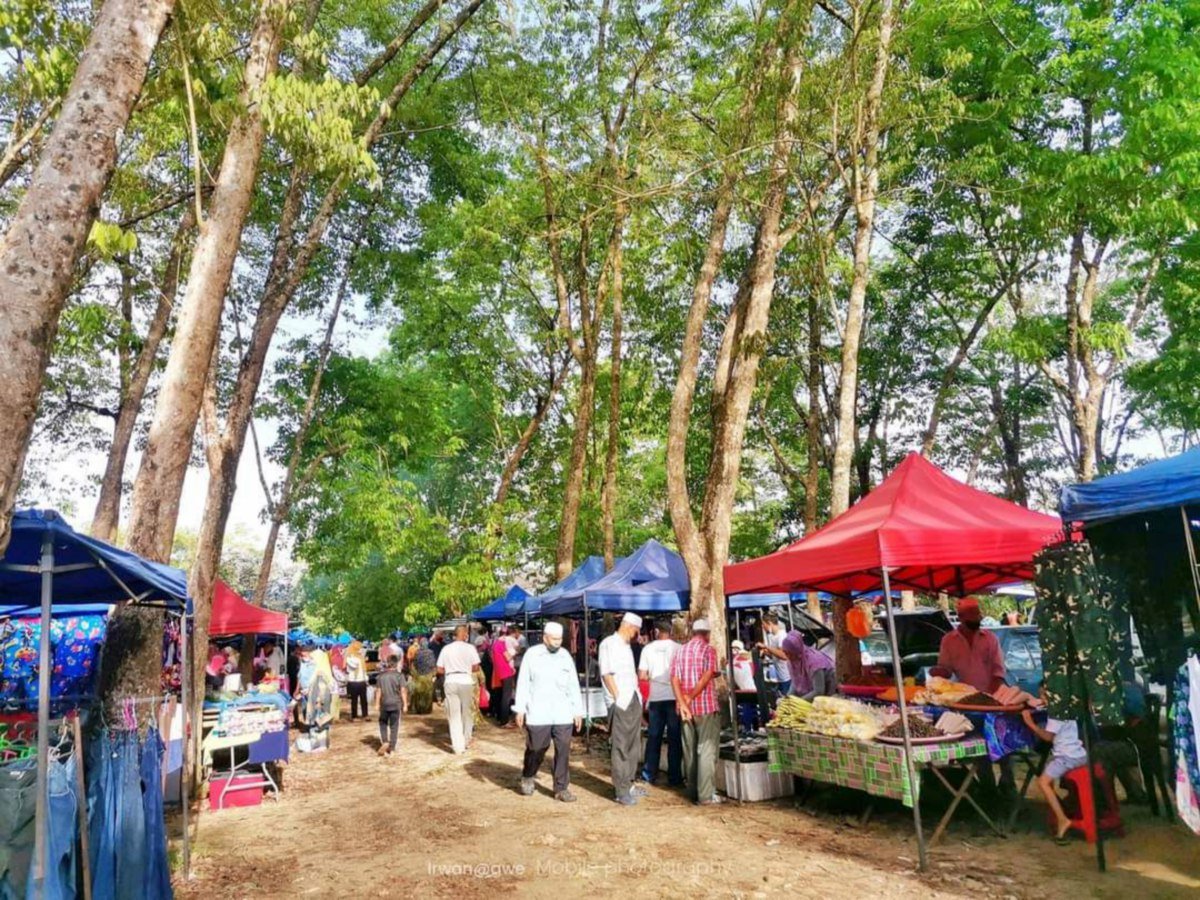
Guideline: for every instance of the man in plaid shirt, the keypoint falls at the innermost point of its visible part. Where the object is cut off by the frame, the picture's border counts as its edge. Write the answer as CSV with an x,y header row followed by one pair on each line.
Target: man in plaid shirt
x,y
692,678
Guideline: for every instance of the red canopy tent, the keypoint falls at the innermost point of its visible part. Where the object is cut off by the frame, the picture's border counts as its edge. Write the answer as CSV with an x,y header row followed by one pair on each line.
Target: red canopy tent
x,y
919,529
233,615
931,532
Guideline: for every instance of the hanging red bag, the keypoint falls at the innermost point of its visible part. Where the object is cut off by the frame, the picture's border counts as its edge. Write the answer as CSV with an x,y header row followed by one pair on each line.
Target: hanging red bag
x,y
485,699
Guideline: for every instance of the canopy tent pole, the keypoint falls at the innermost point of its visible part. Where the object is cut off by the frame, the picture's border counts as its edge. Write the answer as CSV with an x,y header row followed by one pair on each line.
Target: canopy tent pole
x,y
733,704
45,665
587,682
185,784
1191,550
791,624
904,730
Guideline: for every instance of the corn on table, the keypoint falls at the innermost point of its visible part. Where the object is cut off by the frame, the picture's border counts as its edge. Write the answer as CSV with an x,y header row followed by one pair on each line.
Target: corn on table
x,y
877,768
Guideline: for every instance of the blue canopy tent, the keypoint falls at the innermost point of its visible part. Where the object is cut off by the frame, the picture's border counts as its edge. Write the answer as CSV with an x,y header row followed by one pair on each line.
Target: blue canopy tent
x,y
651,579
514,601
498,608
48,563
591,569
1144,523
1167,483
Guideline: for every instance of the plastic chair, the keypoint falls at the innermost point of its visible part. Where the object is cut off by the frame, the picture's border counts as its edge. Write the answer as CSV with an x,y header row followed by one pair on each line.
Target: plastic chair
x,y
1079,802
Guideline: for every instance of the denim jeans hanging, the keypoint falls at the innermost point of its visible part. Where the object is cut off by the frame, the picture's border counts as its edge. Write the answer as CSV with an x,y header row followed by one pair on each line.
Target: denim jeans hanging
x,y
158,876
59,883
130,825
102,814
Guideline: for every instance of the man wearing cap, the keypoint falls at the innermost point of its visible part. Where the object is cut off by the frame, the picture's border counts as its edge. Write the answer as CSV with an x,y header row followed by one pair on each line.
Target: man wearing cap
x,y
692,678
549,706
970,654
619,674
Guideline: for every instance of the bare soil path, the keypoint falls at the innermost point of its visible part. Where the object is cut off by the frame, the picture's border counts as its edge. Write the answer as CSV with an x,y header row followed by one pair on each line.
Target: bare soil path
x,y
427,823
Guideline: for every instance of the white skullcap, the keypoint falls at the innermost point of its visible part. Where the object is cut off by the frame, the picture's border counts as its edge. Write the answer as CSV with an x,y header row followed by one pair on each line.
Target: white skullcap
x,y
632,619
553,629
701,625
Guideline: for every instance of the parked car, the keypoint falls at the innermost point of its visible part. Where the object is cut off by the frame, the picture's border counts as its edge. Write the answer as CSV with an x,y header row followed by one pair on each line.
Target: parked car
x,y
1022,653
918,638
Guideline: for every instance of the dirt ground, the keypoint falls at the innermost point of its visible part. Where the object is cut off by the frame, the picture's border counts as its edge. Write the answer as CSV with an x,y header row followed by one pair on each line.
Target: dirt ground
x,y
350,824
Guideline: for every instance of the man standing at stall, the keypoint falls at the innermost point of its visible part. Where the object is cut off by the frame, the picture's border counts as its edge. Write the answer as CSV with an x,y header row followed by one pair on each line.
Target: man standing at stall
x,y
549,706
619,674
692,678
969,653
655,667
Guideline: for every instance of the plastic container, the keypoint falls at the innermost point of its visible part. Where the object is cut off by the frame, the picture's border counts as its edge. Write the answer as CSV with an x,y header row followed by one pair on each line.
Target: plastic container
x,y
244,790
755,783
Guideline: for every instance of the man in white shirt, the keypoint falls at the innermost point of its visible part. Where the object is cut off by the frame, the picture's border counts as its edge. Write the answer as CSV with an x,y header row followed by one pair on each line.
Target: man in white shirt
x,y
457,663
619,674
655,667
775,671
549,706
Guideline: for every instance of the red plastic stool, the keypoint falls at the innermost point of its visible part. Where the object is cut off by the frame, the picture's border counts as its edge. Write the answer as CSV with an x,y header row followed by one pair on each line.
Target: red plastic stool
x,y
1079,802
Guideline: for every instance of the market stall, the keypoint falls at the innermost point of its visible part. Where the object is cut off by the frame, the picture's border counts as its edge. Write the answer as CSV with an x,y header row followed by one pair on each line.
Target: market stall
x,y
498,609
48,564
652,579
248,727
1142,528
920,530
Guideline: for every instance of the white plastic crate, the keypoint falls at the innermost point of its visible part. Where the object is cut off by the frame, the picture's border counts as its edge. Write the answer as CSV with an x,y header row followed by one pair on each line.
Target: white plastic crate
x,y
755,784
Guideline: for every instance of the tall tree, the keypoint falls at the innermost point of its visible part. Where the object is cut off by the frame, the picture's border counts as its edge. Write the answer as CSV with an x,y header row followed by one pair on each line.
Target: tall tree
x,y
48,231
159,483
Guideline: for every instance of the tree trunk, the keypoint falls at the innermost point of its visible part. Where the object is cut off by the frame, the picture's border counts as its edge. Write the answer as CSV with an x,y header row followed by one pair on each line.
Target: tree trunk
x,y
573,490
48,232
865,189
608,500
164,463
108,506
687,535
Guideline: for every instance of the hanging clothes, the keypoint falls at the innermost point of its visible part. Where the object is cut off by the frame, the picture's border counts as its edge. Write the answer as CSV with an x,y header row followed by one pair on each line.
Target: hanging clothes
x,y
60,833
1080,638
1185,731
18,797
158,874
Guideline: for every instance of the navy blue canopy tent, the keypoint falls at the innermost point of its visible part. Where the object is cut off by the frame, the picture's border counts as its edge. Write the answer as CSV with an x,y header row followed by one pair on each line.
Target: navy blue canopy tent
x,y
1172,482
515,600
48,563
591,569
651,579
498,608
1142,526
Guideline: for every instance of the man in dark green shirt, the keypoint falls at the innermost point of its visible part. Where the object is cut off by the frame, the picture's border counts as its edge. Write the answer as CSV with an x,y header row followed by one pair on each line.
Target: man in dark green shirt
x,y
393,696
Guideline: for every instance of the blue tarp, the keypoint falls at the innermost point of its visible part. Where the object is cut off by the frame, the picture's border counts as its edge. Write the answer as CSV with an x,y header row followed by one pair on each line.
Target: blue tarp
x,y
79,562
1158,485
591,569
498,608
651,579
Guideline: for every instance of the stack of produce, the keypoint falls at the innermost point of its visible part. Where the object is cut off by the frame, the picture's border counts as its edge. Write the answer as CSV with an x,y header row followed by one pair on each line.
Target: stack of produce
x,y
832,716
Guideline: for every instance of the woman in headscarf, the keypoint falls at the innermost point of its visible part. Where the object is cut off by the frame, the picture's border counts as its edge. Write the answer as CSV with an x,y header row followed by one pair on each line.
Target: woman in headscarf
x,y
812,671
356,678
319,703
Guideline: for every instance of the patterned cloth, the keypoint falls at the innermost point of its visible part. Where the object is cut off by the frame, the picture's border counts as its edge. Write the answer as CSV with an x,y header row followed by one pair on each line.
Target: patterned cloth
x,y
76,645
867,766
695,658
1079,636
1004,733
1183,732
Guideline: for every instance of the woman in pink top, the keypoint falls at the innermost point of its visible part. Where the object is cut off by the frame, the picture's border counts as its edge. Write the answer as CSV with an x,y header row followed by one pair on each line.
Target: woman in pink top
x,y
503,680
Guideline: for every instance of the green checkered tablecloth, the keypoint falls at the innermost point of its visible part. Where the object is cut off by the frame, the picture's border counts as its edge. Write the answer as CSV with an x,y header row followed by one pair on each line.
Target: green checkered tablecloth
x,y
866,766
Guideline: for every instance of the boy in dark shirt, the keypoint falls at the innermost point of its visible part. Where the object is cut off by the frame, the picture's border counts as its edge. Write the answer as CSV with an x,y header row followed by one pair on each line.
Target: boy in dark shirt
x,y
393,696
